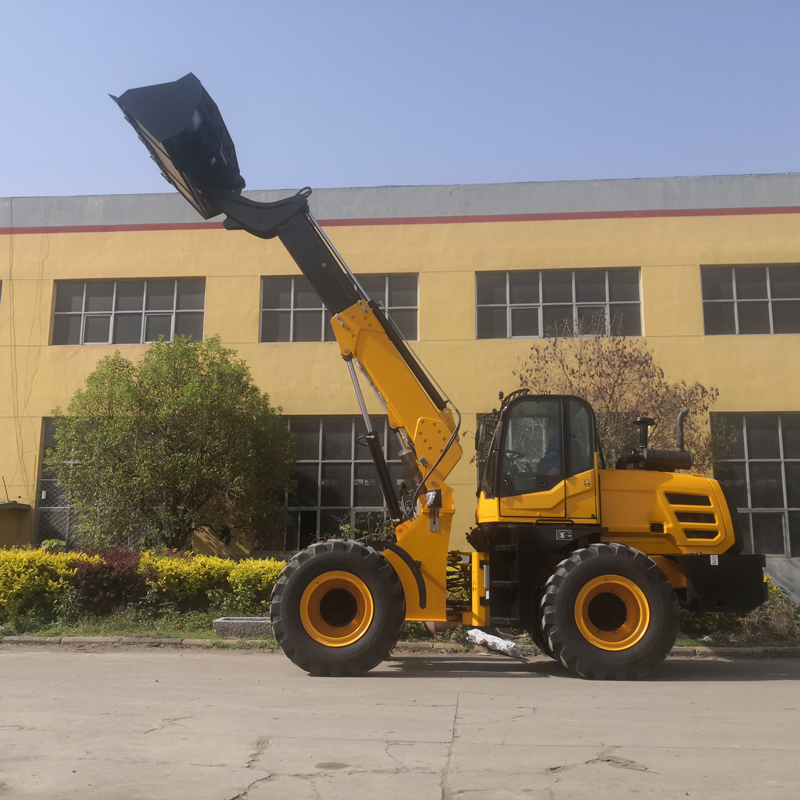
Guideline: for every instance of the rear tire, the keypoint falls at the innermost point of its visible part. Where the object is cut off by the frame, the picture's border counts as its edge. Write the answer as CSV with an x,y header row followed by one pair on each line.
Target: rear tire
x,y
609,613
337,609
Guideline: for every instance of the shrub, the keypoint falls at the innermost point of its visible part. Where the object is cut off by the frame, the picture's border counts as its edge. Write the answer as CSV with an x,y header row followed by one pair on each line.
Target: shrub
x,y
36,583
186,582
110,581
251,582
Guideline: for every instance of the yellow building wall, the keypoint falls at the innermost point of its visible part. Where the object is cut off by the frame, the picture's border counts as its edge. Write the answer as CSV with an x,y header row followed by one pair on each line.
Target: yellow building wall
x,y
752,372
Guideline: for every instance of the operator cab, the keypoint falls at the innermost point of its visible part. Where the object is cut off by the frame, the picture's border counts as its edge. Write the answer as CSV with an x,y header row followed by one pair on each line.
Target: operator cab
x,y
541,460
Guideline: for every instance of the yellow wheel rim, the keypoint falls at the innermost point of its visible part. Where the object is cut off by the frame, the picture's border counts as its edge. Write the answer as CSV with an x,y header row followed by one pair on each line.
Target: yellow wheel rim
x,y
336,609
612,612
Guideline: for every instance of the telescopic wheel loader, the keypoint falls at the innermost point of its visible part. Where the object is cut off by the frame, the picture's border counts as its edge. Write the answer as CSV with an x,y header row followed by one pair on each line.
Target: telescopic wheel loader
x,y
592,561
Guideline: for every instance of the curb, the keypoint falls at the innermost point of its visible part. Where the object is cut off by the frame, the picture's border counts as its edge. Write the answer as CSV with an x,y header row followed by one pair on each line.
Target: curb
x,y
401,648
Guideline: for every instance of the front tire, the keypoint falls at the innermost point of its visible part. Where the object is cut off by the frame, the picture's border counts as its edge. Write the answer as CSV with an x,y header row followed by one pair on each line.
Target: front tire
x,y
337,609
609,613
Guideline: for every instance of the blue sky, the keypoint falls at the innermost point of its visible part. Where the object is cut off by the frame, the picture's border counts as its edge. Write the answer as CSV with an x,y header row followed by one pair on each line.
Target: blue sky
x,y
347,93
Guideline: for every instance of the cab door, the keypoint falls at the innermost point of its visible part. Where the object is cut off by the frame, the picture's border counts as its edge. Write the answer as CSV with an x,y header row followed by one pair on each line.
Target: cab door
x,y
531,460
582,490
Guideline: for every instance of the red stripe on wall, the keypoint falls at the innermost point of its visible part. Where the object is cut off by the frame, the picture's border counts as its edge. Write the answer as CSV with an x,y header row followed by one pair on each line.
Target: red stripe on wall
x,y
556,216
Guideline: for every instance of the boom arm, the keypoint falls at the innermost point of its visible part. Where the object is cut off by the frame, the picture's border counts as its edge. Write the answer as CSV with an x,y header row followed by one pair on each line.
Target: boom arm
x,y
181,127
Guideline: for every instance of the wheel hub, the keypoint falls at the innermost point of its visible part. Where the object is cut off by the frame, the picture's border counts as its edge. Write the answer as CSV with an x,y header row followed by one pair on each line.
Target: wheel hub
x,y
336,608
612,612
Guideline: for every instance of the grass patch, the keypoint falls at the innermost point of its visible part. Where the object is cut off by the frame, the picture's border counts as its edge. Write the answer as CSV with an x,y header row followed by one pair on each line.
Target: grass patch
x,y
129,621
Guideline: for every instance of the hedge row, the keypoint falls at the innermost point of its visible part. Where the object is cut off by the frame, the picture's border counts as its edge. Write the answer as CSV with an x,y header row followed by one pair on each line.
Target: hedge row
x,y
46,584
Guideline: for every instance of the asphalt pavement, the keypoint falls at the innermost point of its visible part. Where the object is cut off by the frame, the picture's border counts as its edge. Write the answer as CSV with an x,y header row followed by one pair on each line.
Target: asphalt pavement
x,y
108,722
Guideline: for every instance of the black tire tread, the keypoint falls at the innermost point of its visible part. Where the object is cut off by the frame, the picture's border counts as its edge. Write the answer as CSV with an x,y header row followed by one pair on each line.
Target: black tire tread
x,y
563,642
358,659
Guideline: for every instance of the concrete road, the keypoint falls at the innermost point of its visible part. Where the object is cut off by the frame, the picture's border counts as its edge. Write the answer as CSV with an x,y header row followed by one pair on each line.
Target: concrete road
x,y
154,723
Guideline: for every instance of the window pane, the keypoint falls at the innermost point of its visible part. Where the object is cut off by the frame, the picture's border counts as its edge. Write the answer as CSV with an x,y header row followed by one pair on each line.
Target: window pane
x,y
327,328
406,321
304,295
766,486
719,319
592,320
753,318
768,534
335,485
790,424
276,293
374,286
95,330
160,295
492,323
275,326
331,520
747,533
69,295
306,434
99,295
785,281
730,424
735,476
191,293
792,469
626,320
189,324
337,433
366,491
130,295
590,285
623,284
751,283
490,288
307,528
557,286
786,316
402,290
157,325
523,287
762,436
67,329
127,328
557,320
524,321
794,533
717,283
307,326
305,491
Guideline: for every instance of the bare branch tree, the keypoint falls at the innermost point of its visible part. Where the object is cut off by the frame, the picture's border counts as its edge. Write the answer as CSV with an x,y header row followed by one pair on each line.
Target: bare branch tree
x,y
621,379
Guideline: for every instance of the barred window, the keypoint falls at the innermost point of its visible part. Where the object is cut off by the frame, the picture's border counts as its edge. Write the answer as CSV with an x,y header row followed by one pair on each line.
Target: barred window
x,y
291,310
335,479
536,303
763,471
751,299
128,311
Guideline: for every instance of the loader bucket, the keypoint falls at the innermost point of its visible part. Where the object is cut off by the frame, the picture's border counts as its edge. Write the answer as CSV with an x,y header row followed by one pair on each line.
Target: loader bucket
x,y
182,128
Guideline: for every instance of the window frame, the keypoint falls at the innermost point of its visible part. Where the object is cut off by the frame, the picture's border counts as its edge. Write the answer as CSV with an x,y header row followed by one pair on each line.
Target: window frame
x,y
114,312
350,513
326,332
746,513
736,301
541,305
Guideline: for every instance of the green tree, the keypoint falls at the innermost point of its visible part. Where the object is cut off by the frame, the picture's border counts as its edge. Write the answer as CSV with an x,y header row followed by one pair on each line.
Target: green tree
x,y
619,376
149,452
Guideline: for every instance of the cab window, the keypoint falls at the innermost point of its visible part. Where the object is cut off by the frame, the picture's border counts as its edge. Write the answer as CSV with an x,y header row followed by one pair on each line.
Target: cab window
x,y
532,457
581,451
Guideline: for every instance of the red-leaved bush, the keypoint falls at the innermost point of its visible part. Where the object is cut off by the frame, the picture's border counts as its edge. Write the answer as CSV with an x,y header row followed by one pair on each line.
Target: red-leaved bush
x,y
114,580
